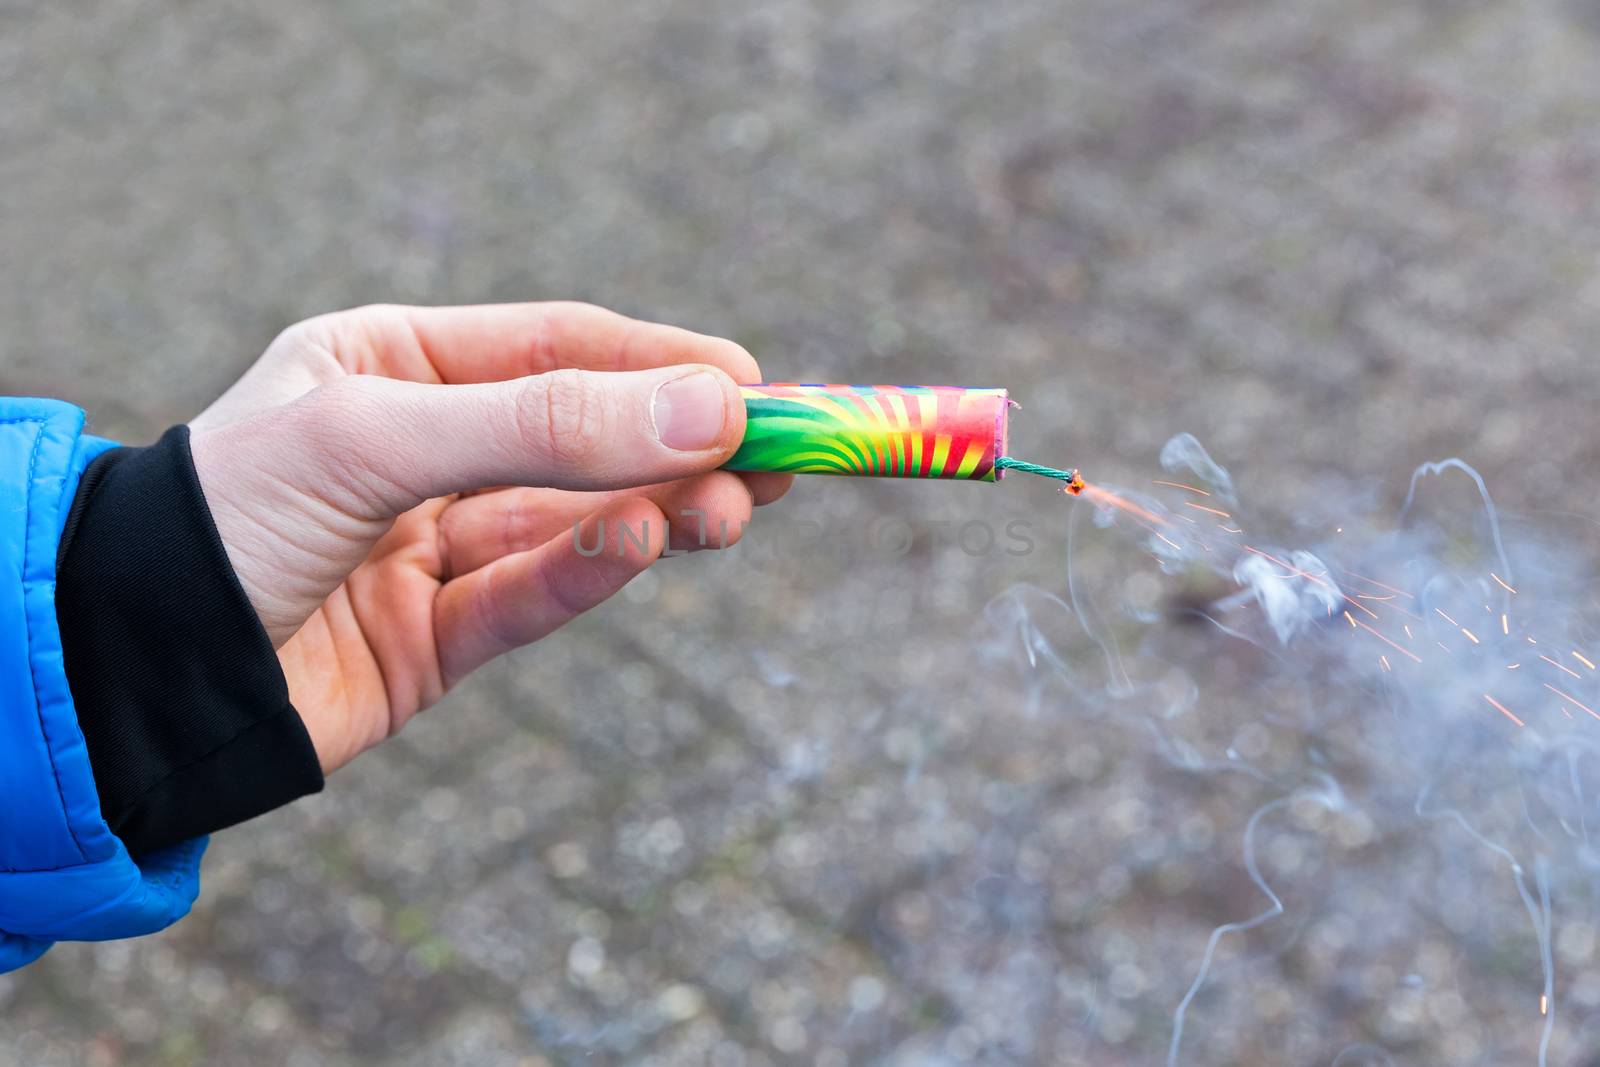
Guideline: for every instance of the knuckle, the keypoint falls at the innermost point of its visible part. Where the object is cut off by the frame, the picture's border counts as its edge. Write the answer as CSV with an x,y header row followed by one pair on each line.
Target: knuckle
x,y
578,308
564,588
330,328
553,329
341,403
350,336
491,615
378,310
375,320
362,316
332,421
520,528
565,416
328,421
308,335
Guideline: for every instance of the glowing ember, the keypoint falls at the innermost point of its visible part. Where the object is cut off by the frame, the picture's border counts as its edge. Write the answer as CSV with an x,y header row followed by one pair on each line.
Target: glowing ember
x,y
1374,582
1562,667
1398,648
1502,709
1179,485
1570,699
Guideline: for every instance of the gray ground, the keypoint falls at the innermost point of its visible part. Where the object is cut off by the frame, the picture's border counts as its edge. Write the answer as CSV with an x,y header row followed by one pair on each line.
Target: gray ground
x,y
745,814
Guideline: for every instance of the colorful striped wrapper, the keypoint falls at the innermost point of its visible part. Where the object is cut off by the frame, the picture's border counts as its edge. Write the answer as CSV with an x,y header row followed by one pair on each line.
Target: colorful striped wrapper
x,y
890,431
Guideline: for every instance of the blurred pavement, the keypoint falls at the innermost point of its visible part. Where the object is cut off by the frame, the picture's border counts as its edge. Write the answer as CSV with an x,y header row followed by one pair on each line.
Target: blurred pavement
x,y
739,816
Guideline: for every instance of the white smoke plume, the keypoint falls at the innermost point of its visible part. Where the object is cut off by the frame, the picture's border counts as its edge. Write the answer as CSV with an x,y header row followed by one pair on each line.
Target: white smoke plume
x,y
1386,731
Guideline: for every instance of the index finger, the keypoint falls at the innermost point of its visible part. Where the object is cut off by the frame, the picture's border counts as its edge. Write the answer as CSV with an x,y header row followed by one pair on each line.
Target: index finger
x,y
498,342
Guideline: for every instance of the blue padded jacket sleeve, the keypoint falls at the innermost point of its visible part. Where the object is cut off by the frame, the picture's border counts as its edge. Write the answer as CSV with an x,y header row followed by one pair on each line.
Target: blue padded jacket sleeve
x,y
63,874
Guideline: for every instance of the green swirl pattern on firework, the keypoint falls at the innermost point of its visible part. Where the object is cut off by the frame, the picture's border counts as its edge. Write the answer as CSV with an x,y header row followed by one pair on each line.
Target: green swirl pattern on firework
x,y
893,431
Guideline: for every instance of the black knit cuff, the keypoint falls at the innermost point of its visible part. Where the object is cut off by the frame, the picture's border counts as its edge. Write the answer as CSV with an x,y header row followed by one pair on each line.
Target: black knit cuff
x,y
179,692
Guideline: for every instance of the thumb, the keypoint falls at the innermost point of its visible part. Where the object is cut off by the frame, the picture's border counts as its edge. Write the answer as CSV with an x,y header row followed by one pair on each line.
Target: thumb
x,y
383,446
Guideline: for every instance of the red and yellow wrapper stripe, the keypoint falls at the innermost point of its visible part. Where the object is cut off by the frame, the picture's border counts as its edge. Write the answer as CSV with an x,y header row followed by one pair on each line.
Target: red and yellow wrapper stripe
x,y
887,431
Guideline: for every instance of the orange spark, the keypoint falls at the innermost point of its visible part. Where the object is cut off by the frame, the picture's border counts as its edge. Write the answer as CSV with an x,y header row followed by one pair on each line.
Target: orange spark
x,y
1574,701
1351,619
1202,507
1581,658
1369,596
1446,618
1531,641
1229,529
1398,648
1409,635
1110,499
1501,583
1544,1004
1180,485
1502,709
1362,607
1512,666
1294,572
1505,624
1562,667
1471,636
1380,585
1385,661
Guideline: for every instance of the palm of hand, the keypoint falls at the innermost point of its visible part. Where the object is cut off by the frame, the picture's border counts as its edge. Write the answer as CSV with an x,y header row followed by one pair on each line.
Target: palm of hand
x,y
368,658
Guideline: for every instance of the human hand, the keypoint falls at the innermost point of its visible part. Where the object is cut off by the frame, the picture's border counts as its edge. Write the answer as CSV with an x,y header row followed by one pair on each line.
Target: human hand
x,y
357,475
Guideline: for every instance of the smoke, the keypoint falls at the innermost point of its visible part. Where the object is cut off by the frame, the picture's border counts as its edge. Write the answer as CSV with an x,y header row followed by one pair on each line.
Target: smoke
x,y
1217,789
1376,738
